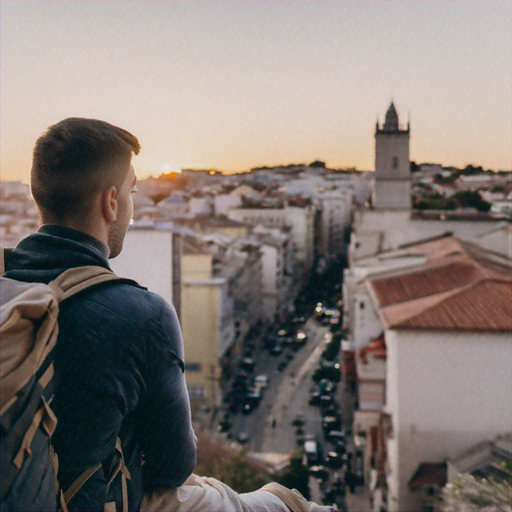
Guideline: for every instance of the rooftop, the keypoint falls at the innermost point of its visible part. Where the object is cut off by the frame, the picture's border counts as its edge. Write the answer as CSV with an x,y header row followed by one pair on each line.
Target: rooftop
x,y
461,286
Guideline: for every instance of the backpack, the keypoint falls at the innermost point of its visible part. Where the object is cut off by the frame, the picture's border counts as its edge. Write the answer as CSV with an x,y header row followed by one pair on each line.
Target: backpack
x,y
28,330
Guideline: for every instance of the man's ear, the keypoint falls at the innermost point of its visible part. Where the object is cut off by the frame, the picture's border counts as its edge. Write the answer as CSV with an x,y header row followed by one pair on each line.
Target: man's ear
x,y
109,204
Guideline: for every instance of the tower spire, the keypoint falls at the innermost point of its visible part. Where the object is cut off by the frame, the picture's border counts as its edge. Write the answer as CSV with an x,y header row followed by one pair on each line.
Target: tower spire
x,y
391,122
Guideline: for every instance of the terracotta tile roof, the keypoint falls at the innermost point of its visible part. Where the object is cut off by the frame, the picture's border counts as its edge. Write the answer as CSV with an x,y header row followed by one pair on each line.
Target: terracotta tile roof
x,y
432,280
484,306
462,286
429,474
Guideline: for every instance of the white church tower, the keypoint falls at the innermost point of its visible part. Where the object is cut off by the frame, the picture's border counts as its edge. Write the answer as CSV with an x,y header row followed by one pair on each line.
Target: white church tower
x,y
392,167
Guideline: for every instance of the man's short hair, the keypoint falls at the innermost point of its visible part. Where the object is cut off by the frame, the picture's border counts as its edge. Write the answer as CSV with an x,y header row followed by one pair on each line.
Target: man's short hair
x,y
74,160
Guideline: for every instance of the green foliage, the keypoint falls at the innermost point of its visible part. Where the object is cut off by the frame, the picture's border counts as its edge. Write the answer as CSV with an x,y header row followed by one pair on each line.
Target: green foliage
x,y
467,494
461,199
296,475
471,199
229,466
326,372
333,349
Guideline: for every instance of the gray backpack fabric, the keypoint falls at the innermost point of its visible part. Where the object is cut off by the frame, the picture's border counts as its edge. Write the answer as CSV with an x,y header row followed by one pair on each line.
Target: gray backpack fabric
x,y
28,334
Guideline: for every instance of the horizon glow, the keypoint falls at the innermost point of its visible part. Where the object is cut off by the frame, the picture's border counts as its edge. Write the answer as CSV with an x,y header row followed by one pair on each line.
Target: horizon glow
x,y
233,85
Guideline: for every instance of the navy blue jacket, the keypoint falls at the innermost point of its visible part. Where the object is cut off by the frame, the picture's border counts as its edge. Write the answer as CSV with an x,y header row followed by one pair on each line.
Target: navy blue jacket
x,y
119,372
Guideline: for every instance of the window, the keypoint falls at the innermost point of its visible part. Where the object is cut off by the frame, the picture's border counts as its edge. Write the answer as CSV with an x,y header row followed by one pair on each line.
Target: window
x,y
192,367
361,305
394,163
197,391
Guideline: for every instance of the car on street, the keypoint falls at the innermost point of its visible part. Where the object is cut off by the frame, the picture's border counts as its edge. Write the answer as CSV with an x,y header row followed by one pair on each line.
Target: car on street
x,y
314,398
282,365
247,364
301,338
336,436
242,437
331,423
261,381
334,459
276,350
319,471
312,451
326,400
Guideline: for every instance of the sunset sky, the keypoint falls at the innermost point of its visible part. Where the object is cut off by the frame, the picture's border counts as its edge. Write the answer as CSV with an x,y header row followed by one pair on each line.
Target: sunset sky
x,y
237,84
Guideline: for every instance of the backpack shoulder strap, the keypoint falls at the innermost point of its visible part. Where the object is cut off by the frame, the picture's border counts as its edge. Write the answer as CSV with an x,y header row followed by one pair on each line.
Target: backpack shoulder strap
x,y
4,253
78,279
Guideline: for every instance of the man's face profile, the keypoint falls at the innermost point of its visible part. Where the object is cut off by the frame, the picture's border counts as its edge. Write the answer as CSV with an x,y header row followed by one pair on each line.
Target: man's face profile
x,y
119,227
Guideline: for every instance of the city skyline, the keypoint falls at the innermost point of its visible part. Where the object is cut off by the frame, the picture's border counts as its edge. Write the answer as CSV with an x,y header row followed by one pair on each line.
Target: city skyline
x,y
236,85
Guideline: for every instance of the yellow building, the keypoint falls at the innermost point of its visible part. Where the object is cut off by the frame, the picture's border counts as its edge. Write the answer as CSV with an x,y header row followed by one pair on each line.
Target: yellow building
x,y
207,324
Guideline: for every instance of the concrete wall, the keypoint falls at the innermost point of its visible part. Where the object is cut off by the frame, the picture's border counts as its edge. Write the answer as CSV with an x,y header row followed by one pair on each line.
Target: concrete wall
x,y
378,230
445,392
147,258
392,195
196,266
223,202
391,149
367,324
270,275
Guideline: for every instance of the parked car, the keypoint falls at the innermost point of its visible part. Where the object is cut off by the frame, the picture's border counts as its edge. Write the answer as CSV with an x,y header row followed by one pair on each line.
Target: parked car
x,y
326,400
261,380
311,452
319,471
331,423
247,364
276,350
334,459
314,398
242,437
336,436
301,338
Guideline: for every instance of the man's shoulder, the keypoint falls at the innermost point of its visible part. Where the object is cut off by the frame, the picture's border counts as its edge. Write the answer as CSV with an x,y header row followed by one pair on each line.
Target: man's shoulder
x,y
124,299
123,315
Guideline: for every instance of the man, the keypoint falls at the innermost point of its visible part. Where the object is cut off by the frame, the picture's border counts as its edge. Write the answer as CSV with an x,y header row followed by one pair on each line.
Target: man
x,y
119,355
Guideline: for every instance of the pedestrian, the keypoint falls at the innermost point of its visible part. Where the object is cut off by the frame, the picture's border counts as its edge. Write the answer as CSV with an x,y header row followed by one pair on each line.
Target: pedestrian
x,y
274,423
120,397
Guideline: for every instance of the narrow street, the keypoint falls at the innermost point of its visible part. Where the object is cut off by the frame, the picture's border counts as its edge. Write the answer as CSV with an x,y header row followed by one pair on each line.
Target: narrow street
x,y
285,397
269,428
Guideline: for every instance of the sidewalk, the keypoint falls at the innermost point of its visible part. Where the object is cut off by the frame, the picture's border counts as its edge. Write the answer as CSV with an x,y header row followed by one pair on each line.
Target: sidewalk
x,y
360,501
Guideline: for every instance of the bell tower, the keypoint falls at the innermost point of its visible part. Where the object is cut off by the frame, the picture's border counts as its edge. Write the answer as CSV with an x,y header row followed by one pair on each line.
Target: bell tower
x,y
392,166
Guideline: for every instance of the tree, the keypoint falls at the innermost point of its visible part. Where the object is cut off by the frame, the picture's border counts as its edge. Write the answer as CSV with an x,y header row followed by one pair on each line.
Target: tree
x,y
327,372
296,475
230,466
317,163
467,493
471,199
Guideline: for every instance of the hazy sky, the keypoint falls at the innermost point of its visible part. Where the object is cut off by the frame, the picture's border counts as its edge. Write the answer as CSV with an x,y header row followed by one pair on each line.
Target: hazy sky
x,y
237,84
